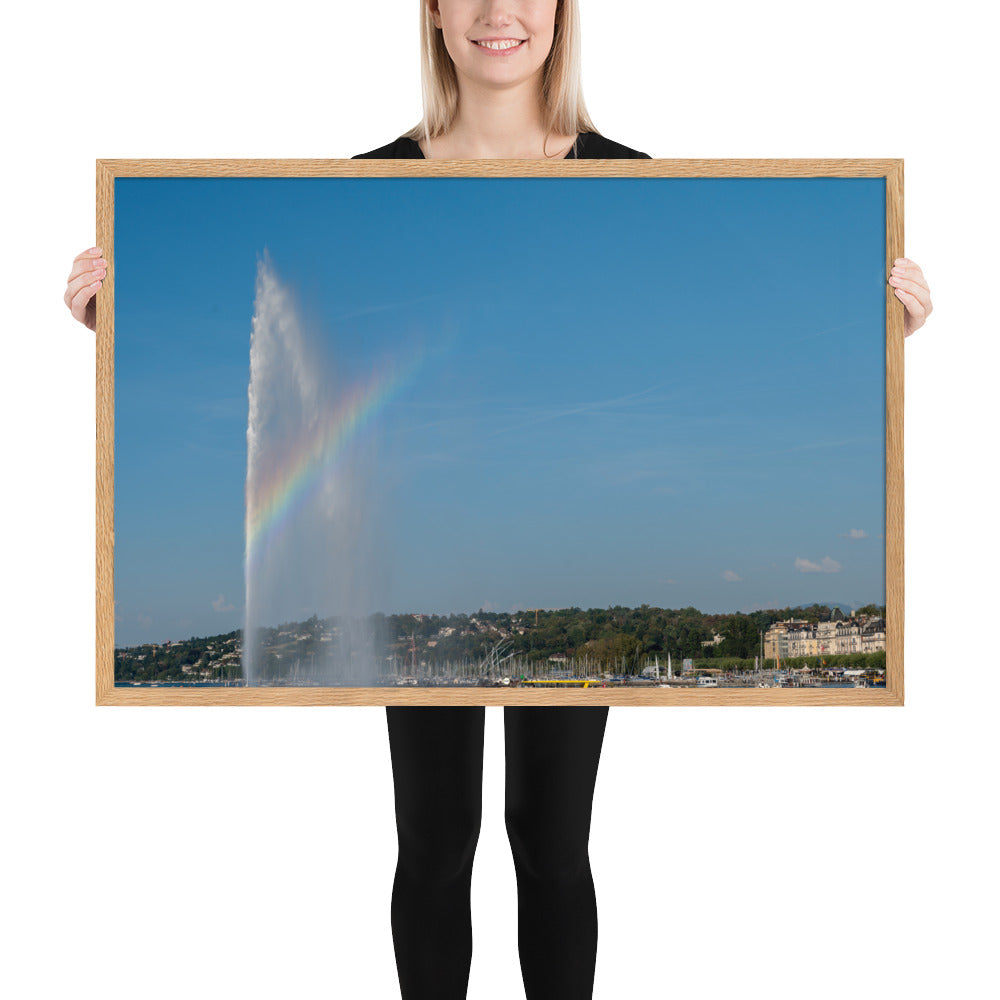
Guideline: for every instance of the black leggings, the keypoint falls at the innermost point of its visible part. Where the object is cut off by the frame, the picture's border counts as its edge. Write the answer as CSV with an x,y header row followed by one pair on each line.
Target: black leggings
x,y
552,755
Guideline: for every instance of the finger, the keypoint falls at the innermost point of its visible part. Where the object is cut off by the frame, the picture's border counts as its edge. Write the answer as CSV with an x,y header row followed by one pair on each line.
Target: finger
x,y
919,293
82,281
907,284
905,268
913,305
78,303
92,252
86,264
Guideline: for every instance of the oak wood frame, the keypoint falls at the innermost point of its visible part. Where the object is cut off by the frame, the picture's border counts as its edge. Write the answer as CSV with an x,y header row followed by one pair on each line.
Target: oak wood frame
x,y
891,170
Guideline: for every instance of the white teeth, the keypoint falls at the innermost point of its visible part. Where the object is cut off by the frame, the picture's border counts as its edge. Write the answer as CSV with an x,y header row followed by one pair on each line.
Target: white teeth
x,y
499,45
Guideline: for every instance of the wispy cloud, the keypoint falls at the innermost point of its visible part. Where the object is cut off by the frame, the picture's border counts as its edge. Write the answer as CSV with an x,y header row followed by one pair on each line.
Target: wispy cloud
x,y
831,329
855,533
825,565
219,604
386,307
591,406
222,407
730,577
436,458
811,446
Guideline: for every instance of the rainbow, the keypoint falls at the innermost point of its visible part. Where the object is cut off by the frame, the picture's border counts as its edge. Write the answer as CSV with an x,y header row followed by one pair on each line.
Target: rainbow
x,y
295,479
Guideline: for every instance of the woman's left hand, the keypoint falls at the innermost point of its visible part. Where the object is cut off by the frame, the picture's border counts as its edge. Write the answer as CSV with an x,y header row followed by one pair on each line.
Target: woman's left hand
x,y
911,289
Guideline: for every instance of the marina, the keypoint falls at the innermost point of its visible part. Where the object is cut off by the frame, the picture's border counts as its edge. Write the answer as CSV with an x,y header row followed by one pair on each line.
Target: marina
x,y
503,653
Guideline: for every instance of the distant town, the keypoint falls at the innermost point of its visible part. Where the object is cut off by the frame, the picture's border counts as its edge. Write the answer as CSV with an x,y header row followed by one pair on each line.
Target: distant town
x,y
818,645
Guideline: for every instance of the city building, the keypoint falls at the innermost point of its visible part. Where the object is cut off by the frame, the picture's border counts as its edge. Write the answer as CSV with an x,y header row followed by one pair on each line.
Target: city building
x,y
795,637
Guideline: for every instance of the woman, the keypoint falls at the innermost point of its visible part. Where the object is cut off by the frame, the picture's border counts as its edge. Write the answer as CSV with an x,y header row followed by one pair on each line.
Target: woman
x,y
501,79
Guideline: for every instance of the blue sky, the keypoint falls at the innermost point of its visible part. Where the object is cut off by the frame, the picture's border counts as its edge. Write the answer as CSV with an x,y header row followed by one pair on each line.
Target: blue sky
x,y
630,390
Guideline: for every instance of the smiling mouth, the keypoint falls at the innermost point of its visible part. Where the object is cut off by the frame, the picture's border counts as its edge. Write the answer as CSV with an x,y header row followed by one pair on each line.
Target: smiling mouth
x,y
499,44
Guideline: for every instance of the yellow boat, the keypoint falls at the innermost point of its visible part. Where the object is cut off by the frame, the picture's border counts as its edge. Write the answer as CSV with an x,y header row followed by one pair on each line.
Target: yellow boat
x,y
579,681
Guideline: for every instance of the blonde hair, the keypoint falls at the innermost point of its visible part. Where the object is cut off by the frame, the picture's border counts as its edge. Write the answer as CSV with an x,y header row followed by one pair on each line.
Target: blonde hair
x,y
562,92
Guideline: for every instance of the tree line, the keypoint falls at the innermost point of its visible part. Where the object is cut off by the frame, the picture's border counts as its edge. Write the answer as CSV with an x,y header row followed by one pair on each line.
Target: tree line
x,y
608,635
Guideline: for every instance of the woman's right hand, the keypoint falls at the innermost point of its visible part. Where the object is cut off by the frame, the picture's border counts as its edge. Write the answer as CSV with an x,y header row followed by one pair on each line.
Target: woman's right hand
x,y
85,277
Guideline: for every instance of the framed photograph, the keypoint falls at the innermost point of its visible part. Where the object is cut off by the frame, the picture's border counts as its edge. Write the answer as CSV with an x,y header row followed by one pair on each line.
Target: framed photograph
x,y
441,432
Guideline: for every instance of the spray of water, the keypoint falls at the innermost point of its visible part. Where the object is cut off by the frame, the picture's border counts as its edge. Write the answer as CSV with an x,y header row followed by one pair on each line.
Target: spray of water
x,y
309,524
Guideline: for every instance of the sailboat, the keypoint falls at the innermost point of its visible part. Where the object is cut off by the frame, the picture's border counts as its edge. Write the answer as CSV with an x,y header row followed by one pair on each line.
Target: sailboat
x,y
762,682
670,671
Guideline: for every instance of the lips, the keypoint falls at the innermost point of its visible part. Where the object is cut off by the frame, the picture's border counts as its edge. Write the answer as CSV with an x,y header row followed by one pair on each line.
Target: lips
x,y
499,46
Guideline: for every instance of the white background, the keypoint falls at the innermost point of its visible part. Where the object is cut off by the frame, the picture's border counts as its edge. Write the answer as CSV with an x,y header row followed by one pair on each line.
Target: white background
x,y
163,852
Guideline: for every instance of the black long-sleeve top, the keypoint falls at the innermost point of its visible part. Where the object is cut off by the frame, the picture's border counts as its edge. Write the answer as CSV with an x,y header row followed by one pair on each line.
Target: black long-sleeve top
x,y
588,146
